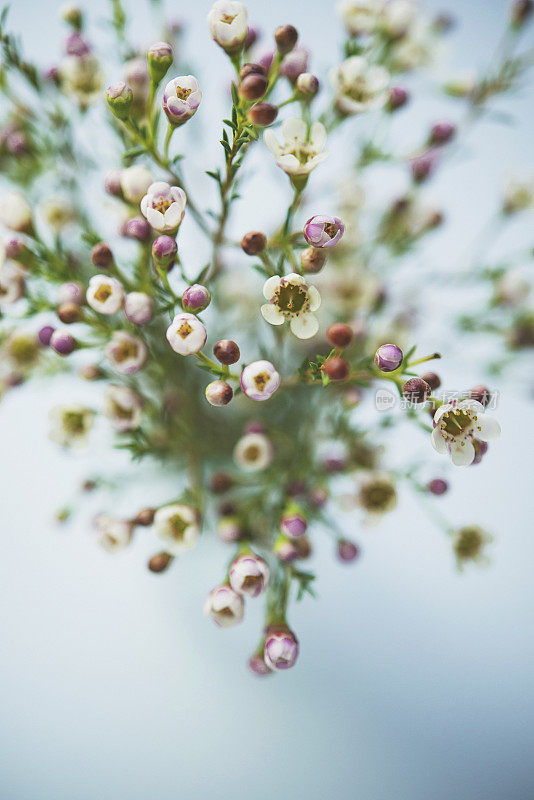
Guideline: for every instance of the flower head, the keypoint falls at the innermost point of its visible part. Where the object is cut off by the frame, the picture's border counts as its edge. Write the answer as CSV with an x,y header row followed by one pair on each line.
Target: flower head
x,y
227,22
164,206
253,452
186,334
249,574
259,380
113,534
468,544
15,213
135,182
359,86
70,425
456,424
224,606
301,150
377,495
127,353
291,298
388,357
281,648
323,231
138,308
11,283
177,527
359,16
105,294
123,407
181,99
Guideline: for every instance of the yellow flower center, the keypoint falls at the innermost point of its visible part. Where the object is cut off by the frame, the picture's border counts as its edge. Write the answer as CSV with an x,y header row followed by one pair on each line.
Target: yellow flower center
x,y
126,350
330,229
261,380
162,204
228,18
103,292
183,93
184,330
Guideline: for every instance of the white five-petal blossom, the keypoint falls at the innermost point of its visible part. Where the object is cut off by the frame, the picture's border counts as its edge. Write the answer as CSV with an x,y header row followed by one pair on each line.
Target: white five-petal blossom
x,y
123,407
253,452
457,424
164,206
359,86
177,527
227,22
359,16
224,606
15,213
186,334
135,181
291,298
105,294
71,425
302,149
113,534
126,353
181,99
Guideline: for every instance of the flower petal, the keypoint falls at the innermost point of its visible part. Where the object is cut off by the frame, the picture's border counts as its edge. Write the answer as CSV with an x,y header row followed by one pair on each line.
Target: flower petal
x,y
294,130
462,456
290,164
487,429
270,286
318,136
314,297
272,314
438,442
304,326
272,142
155,218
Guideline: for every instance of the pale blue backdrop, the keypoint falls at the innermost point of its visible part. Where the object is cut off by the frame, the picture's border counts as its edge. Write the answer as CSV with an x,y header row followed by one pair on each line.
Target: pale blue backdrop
x,y
415,682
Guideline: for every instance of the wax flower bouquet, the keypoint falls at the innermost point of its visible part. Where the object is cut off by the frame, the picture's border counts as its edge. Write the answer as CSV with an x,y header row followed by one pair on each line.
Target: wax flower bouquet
x,y
247,372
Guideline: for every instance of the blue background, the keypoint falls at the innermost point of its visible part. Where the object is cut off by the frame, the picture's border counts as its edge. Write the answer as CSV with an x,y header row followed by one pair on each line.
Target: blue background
x,y
415,681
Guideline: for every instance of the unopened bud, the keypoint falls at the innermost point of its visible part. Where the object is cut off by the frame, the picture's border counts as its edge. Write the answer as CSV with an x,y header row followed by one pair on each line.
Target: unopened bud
x,y
308,84
433,380
226,351
520,12
442,132
339,334
219,393
164,250
336,368
388,357
69,313
159,58
397,98
101,255
72,15
160,562
144,518
480,393
437,486
251,69
347,551
253,243
253,86
286,37
312,260
416,390
195,298
263,114
120,99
